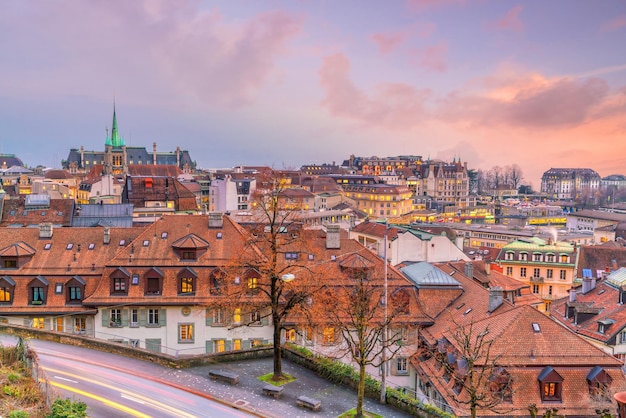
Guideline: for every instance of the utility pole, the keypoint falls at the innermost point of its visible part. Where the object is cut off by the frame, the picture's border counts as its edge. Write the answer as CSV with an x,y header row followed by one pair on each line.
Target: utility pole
x,y
383,388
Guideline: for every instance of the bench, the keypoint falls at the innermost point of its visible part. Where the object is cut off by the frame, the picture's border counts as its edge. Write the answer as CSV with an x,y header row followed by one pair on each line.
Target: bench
x,y
271,390
306,402
224,376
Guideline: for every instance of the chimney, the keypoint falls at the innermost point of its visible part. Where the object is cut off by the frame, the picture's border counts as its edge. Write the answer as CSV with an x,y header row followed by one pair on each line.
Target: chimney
x,y
178,157
107,235
333,240
216,220
45,230
572,295
487,267
587,285
495,298
154,159
469,269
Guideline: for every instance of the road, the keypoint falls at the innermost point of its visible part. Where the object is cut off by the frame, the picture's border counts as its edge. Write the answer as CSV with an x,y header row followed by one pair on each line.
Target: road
x,y
115,386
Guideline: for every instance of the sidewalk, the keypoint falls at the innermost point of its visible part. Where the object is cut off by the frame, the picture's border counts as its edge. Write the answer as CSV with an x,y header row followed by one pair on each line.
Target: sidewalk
x,y
248,393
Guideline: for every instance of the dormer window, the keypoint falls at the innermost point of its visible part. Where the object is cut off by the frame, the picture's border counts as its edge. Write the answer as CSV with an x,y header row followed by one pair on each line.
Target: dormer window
x,y
154,281
598,381
119,281
7,288
37,291
523,256
69,246
508,256
190,247
550,385
604,324
187,282
75,290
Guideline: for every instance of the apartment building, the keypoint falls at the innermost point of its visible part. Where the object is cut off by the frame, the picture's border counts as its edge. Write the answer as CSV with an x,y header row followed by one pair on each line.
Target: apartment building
x,y
547,266
570,183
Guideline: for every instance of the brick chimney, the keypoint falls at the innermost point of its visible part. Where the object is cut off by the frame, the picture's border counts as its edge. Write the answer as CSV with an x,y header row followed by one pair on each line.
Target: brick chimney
x,y
45,230
487,267
614,265
333,237
495,298
216,220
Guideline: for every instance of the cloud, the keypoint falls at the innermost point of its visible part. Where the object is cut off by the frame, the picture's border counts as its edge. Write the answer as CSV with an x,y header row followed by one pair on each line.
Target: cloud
x,y
532,102
614,24
389,105
421,5
152,52
387,42
509,22
432,58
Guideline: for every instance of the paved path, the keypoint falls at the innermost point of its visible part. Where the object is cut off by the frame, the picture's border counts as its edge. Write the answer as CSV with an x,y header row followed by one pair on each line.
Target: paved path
x,y
248,392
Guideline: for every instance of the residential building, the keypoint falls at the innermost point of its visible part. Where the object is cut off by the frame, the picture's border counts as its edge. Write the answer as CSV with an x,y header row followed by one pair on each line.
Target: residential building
x,y
154,196
547,266
589,221
231,192
34,209
570,183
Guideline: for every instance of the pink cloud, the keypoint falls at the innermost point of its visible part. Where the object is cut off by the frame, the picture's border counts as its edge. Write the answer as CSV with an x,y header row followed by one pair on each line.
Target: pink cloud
x,y
614,24
390,105
432,58
510,21
387,42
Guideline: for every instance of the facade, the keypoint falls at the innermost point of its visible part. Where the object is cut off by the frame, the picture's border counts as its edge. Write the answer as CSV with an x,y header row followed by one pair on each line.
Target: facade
x,y
588,220
547,266
231,192
570,183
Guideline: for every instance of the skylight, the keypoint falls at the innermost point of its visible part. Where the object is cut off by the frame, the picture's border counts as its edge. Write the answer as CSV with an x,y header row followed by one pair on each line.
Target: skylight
x,y
163,235
91,246
47,246
467,311
69,246
146,242
122,241
536,327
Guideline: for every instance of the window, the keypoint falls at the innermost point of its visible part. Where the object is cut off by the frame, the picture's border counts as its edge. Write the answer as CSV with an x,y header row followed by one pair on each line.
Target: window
x,y
550,384
564,258
291,256
185,333
134,317
189,255
153,286
219,346
290,335
329,335
308,336
10,263
119,285
135,280
509,271
622,337
5,294
522,272
91,246
237,344
80,325
550,258
550,290
116,318
535,272
549,273
75,293
186,285
535,289
58,288
401,365
37,295
47,246
39,323
562,275
253,283
146,242
255,317
536,257
237,316
523,256
153,317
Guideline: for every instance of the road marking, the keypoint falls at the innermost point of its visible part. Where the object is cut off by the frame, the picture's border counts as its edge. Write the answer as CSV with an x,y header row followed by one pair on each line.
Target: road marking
x,y
67,380
105,401
130,398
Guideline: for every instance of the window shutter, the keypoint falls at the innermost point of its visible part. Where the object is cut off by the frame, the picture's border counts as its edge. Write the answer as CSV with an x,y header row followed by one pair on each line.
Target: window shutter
x,y
47,323
246,344
142,317
209,317
124,317
209,346
228,345
162,317
265,320
106,317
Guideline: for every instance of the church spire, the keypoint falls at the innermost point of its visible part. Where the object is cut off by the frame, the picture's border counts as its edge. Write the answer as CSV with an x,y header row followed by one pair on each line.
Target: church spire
x,y
114,140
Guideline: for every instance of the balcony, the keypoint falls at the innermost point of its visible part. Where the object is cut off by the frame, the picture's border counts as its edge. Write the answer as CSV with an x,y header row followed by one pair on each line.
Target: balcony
x,y
534,279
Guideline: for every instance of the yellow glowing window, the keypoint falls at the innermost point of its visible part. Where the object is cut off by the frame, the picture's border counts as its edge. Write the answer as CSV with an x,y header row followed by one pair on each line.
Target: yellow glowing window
x,y
291,335
219,346
236,344
39,323
5,295
329,335
185,332
186,285
253,282
237,316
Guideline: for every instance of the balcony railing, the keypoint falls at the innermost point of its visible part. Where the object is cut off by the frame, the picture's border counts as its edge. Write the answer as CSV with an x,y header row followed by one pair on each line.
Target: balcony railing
x,y
535,279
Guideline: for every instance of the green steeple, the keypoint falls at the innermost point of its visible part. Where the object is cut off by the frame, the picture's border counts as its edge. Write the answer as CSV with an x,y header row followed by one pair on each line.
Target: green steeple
x,y
115,140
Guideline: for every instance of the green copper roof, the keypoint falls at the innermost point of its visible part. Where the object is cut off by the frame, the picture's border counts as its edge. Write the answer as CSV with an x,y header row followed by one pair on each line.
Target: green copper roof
x,y
115,140
538,244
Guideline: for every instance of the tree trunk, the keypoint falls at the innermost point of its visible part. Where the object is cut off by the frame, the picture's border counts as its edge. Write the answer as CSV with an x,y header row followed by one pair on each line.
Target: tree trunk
x,y
360,392
278,351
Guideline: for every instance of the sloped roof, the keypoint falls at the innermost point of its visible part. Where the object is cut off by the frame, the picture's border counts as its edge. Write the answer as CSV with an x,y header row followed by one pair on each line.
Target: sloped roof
x,y
426,274
18,249
190,241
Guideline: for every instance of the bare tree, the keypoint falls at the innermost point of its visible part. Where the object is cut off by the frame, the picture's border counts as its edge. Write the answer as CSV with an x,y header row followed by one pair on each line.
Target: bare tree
x,y
514,175
479,380
370,324
275,277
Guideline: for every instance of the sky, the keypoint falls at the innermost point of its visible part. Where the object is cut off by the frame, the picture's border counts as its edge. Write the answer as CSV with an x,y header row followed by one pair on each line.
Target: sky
x,y
540,84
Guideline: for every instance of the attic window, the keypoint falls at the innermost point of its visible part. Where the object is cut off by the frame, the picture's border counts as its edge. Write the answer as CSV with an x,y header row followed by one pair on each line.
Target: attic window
x,y
163,235
601,291
69,246
311,257
146,242
60,213
91,246
219,235
43,213
460,306
122,242
536,327
467,311
47,246
58,288
452,272
333,257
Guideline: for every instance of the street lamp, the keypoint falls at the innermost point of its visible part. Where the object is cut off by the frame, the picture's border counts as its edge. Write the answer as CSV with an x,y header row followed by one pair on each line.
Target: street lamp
x,y
288,277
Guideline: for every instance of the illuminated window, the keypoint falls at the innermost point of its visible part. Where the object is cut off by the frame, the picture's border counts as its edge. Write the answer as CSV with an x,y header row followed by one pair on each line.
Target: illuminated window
x,y
290,335
5,294
39,323
80,325
186,285
185,333
219,346
237,316
253,283
236,344
329,335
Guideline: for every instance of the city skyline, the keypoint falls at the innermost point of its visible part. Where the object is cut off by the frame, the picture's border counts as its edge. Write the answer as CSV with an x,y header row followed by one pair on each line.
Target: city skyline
x,y
284,83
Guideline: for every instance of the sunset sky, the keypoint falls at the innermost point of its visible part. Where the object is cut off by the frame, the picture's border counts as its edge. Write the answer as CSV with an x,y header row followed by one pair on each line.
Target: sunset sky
x,y
283,83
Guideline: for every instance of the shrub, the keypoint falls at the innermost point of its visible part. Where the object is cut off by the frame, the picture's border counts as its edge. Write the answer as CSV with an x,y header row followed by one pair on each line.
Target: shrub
x,y
66,408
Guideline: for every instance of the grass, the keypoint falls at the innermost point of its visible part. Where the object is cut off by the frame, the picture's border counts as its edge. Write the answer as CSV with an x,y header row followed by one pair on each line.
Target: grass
x,y
286,378
352,413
